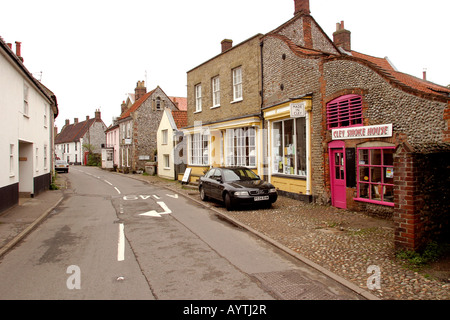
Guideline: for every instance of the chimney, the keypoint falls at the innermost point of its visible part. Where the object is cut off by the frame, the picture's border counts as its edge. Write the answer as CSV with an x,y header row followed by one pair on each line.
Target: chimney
x,y
123,107
75,120
301,6
425,74
9,45
140,90
227,44
98,115
18,50
87,118
341,37
67,122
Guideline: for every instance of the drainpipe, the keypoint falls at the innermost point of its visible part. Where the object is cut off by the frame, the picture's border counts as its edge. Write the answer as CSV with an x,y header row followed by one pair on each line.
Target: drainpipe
x,y
264,146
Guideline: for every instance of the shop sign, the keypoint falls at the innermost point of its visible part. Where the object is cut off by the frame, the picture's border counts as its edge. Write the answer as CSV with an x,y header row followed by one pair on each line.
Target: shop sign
x,y
378,131
298,109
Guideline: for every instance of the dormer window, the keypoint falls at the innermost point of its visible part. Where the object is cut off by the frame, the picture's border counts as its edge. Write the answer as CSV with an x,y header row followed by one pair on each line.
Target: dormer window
x,y
345,111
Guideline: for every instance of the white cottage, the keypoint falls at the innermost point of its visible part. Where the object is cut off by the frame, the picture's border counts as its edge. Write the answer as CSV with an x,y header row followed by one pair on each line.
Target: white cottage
x,y
171,154
26,139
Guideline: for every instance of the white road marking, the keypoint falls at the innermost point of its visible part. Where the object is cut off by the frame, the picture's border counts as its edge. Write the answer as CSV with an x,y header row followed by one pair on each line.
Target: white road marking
x,y
118,191
156,197
121,244
108,182
175,196
153,213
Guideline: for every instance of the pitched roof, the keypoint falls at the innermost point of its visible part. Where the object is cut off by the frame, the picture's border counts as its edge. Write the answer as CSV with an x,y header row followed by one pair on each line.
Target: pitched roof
x,y
73,132
136,105
180,118
182,102
403,78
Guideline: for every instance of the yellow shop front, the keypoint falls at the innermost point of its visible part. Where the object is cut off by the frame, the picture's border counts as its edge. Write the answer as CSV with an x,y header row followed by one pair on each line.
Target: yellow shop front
x,y
289,147
233,142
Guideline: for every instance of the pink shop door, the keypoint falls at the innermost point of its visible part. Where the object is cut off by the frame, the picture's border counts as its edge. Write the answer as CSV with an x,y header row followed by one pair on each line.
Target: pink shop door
x,y
337,178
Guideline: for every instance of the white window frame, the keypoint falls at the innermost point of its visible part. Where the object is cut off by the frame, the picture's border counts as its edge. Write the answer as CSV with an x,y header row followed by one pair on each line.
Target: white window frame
x,y
198,98
45,157
241,147
199,149
237,84
215,84
165,136
26,107
45,115
11,160
166,161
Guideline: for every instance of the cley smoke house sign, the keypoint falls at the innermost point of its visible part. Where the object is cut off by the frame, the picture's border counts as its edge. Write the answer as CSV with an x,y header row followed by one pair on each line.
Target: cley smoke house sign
x,y
378,131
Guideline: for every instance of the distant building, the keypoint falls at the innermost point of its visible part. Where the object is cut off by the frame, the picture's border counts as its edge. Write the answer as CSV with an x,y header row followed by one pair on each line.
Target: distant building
x,y
26,139
138,126
73,142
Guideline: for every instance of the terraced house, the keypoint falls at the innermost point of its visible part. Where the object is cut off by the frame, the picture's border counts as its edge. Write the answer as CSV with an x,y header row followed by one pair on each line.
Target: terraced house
x,y
343,127
26,139
224,109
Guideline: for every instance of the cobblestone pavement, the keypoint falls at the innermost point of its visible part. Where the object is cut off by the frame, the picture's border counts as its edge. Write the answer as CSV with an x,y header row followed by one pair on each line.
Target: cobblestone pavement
x,y
343,242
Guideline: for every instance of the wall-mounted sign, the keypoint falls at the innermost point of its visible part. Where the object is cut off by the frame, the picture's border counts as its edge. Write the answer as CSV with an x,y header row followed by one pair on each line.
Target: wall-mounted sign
x,y
298,109
378,131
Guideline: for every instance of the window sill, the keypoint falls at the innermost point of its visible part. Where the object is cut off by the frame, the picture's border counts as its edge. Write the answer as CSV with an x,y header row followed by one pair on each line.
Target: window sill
x,y
237,100
198,111
215,107
389,204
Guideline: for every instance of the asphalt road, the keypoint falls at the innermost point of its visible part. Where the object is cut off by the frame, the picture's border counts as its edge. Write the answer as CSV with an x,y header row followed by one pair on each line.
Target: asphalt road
x,y
114,237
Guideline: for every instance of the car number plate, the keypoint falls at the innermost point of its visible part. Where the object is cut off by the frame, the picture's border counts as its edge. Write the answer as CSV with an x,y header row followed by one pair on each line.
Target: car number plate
x,y
261,198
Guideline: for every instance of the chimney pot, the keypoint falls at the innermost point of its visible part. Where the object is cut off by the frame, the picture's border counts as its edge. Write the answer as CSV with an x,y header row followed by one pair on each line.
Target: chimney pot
x,y
18,50
301,6
227,44
425,74
87,118
342,37
97,115
67,122
75,120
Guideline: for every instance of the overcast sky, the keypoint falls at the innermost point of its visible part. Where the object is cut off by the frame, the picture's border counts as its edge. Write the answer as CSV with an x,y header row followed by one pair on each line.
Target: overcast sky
x,y
92,52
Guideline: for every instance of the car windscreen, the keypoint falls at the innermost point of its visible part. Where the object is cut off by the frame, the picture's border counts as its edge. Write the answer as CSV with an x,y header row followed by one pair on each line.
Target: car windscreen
x,y
239,175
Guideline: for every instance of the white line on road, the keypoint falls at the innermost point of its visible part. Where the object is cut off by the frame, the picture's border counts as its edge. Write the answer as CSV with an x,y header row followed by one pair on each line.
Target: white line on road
x,y
156,197
118,191
121,244
108,182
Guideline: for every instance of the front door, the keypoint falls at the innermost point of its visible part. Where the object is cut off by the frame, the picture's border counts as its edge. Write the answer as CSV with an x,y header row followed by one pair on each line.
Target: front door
x,y
337,178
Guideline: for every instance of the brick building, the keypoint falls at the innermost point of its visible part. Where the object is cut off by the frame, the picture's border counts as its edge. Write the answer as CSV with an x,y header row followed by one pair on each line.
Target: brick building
x,y
349,129
224,109
138,126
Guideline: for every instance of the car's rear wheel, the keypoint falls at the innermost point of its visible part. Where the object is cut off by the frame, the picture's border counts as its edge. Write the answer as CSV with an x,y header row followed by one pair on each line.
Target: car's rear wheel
x,y
202,194
228,202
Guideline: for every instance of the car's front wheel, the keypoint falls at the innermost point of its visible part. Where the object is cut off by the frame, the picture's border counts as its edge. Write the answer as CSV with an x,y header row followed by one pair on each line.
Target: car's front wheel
x,y
202,194
228,202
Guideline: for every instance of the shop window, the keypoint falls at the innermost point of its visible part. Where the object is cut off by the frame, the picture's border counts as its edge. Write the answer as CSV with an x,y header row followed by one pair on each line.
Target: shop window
x,y
375,168
345,111
199,149
241,147
289,146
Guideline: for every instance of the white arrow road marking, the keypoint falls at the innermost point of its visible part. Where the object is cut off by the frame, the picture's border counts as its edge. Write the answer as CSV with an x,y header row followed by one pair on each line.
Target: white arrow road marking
x,y
175,196
121,244
153,213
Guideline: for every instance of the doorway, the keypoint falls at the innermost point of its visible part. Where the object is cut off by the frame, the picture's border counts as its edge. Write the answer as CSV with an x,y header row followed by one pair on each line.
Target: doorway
x,y
337,176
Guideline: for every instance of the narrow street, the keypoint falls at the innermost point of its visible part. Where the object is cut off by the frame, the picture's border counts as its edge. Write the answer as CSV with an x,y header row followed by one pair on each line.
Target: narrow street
x,y
114,237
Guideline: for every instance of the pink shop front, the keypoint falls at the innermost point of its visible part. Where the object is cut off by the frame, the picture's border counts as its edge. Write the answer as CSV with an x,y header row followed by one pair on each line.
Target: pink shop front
x,y
361,168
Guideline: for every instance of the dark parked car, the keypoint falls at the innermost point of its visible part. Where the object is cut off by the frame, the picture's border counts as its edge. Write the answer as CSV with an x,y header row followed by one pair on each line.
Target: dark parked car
x,y
61,165
236,186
